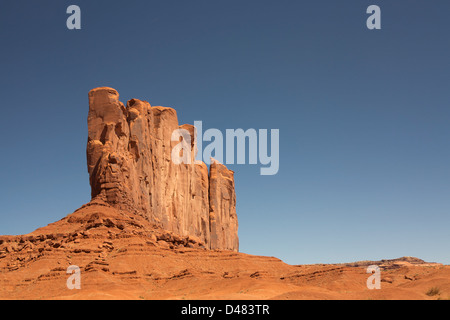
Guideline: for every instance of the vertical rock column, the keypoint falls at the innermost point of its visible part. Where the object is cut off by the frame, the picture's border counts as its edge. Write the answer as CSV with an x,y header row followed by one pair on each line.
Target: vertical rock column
x,y
222,208
107,148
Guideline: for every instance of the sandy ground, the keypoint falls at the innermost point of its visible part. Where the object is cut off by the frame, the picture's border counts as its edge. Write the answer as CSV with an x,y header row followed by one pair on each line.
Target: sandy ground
x,y
124,258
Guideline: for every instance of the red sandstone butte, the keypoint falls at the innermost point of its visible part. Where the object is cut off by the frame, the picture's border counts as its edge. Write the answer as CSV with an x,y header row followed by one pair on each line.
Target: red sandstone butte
x,y
130,167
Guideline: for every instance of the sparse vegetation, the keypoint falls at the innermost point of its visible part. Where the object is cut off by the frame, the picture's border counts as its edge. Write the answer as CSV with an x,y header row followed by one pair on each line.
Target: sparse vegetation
x,y
433,291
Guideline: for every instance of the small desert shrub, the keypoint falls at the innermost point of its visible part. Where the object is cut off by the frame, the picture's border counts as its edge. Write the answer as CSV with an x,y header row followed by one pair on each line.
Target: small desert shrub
x,y
433,291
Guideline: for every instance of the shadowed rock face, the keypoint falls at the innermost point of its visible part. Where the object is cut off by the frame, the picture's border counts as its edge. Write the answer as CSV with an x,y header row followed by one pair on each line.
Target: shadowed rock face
x,y
129,163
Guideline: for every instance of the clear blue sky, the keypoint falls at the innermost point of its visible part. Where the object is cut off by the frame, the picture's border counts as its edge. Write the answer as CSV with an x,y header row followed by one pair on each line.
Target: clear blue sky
x,y
363,115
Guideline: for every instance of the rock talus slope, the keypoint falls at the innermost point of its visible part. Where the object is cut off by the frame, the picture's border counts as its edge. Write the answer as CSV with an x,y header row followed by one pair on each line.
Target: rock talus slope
x,y
130,167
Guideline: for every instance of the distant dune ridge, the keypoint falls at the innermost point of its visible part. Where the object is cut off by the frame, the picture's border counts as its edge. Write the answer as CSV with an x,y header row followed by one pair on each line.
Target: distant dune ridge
x,y
157,230
394,263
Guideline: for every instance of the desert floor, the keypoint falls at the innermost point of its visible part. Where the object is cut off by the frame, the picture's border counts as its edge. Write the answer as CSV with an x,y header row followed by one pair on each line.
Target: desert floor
x,y
119,258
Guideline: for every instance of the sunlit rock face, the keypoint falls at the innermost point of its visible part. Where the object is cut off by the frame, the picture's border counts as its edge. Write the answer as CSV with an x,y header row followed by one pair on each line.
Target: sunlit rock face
x,y
130,167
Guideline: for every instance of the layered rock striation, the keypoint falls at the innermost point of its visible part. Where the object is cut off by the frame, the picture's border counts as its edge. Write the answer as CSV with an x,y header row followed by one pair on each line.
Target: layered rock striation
x,y
130,167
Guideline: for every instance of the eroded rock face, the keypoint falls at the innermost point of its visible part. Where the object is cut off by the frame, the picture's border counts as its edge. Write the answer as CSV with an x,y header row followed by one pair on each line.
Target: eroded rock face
x,y
130,167
222,208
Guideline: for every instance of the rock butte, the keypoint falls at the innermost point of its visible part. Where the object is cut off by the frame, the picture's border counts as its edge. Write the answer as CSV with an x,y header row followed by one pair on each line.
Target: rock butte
x,y
130,168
